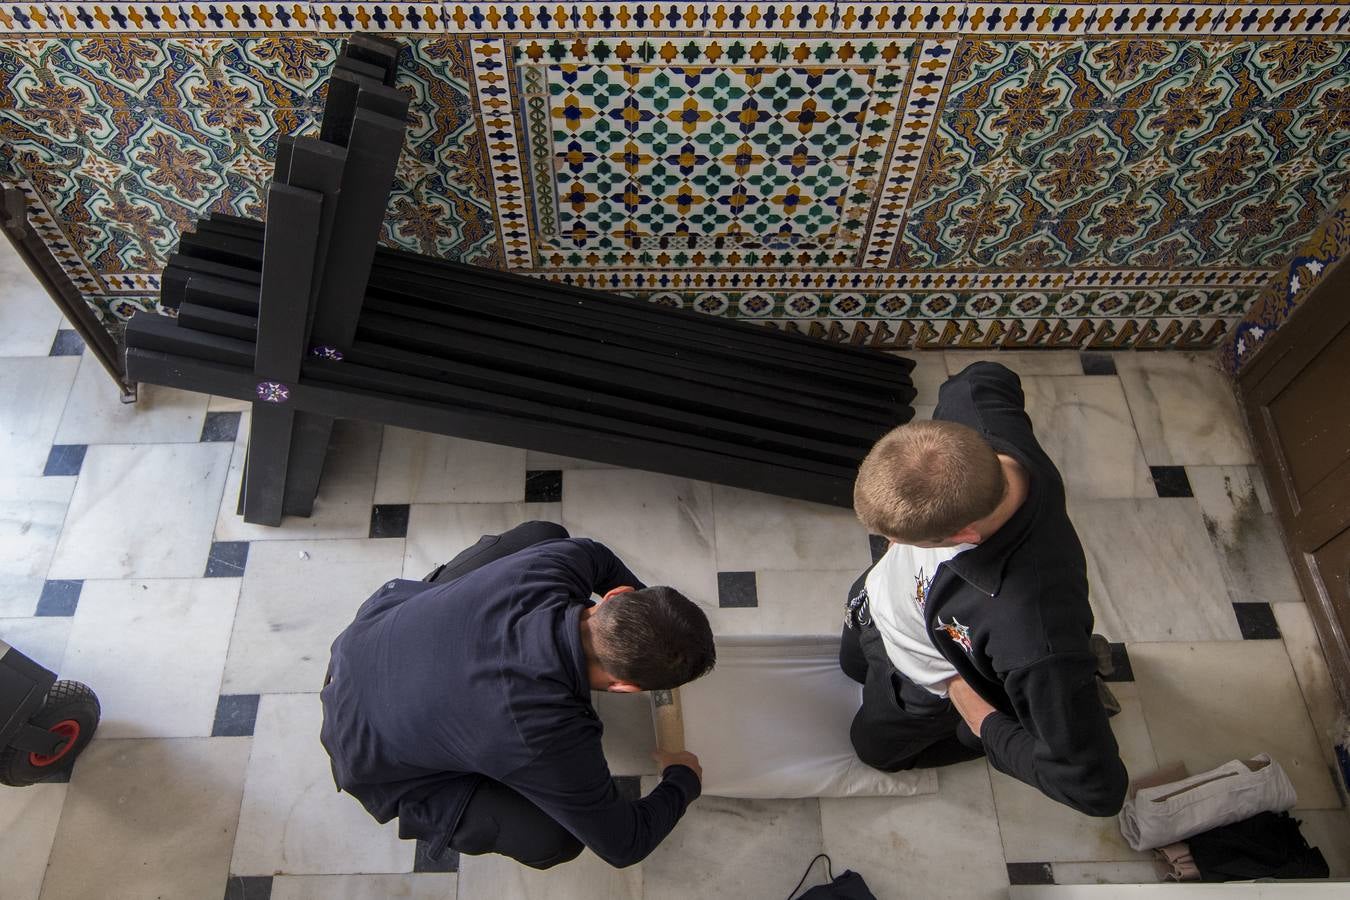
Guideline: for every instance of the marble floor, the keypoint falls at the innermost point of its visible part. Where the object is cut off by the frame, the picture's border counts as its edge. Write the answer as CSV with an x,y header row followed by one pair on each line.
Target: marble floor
x,y
123,565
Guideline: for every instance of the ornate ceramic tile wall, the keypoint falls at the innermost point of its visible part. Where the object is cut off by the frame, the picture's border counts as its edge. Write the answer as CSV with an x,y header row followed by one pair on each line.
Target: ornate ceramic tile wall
x,y
885,173
1322,250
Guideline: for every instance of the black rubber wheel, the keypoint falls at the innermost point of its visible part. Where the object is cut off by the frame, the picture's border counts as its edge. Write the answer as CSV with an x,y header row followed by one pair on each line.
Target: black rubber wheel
x,y
72,711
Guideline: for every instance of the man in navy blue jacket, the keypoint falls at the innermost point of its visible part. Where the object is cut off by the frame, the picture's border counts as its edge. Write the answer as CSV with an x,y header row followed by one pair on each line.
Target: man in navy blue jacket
x,y
972,635
462,703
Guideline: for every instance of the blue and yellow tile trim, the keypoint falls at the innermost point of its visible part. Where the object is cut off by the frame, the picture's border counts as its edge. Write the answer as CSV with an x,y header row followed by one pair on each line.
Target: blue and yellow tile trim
x,y
889,174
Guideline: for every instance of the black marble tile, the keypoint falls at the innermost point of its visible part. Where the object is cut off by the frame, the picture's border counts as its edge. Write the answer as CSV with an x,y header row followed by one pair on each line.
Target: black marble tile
x,y
236,714
423,861
65,459
220,426
1171,481
1030,873
227,559
1097,364
248,887
59,598
1120,660
68,343
629,787
543,486
736,589
878,545
389,520
1257,621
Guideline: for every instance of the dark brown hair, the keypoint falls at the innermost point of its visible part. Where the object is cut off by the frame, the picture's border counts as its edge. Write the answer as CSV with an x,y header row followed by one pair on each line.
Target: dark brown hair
x,y
925,481
656,638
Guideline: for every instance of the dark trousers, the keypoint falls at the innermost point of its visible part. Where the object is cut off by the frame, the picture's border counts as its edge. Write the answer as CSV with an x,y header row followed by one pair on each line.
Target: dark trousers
x,y
900,725
498,819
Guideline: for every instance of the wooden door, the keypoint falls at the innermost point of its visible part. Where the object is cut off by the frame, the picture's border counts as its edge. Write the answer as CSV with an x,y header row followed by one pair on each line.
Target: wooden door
x,y
1296,394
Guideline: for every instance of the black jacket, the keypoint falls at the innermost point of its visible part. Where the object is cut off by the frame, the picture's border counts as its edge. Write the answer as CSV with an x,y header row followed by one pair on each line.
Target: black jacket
x,y
434,687
1012,616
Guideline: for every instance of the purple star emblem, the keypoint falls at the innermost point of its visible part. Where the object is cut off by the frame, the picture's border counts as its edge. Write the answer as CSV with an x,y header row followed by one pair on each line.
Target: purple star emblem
x,y
272,392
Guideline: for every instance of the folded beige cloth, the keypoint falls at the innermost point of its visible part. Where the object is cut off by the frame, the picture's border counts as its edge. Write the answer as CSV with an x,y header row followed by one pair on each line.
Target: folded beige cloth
x,y
1239,789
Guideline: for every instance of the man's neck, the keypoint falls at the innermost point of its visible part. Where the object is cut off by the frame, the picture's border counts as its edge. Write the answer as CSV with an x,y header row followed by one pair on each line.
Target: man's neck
x,y
1016,488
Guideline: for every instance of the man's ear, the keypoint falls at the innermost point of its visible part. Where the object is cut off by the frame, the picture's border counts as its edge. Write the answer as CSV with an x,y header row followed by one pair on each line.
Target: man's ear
x,y
967,535
623,687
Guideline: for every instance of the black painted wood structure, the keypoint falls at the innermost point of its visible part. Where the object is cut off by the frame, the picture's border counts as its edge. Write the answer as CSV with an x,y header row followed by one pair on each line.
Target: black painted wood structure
x,y
307,318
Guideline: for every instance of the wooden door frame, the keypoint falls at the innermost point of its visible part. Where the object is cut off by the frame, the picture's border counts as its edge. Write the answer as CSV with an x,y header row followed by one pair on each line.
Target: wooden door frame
x,y
1308,330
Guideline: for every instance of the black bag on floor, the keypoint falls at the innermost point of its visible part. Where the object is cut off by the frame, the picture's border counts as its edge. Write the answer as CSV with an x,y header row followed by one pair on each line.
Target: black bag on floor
x,y
848,886
1265,846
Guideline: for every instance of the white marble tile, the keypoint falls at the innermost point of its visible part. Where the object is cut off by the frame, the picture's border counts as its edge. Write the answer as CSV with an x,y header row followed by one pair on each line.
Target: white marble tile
x,y
735,848
1310,668
1184,409
416,467
149,818
941,846
28,820
346,490
630,735
134,639
227,404
536,461
1023,362
1084,425
28,317
761,532
424,886
1329,831
95,413
32,395
142,511
438,531
1247,539
801,602
659,525
1152,573
1208,703
41,639
32,512
1037,829
293,820
930,371
1137,872
294,599
495,877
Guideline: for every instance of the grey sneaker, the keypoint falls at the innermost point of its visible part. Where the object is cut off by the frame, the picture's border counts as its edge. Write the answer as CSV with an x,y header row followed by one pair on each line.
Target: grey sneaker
x,y
1101,649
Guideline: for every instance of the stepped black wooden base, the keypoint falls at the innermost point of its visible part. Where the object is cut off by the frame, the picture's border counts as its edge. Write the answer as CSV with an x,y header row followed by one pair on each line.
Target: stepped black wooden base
x,y
310,321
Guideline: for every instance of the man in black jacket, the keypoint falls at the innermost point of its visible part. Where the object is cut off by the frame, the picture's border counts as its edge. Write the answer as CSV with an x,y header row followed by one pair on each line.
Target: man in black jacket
x,y
971,634
463,706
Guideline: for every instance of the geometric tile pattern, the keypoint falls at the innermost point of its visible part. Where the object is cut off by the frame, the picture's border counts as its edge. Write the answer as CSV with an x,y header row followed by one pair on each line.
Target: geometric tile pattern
x,y
1091,175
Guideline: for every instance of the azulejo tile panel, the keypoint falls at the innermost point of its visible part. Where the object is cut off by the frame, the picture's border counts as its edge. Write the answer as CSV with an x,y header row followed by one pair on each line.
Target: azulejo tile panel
x,y
890,174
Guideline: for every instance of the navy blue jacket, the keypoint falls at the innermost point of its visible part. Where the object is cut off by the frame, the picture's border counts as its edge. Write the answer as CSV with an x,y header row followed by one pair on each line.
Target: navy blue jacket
x,y
435,687
1012,616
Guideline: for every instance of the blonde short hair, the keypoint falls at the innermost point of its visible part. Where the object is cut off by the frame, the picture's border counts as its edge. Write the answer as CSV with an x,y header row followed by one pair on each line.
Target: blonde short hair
x,y
925,481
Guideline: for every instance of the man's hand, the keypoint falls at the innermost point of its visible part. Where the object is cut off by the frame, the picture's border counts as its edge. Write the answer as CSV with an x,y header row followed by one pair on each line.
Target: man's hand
x,y
664,760
972,707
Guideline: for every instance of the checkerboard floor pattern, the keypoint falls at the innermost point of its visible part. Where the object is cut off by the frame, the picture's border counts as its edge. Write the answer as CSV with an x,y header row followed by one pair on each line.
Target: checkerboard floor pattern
x,y
123,565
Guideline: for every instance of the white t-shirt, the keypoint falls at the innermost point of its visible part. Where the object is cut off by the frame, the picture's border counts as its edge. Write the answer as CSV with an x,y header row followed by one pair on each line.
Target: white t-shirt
x,y
897,588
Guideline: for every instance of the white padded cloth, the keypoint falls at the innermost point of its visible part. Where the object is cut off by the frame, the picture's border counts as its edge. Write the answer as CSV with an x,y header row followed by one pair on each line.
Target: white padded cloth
x,y
772,720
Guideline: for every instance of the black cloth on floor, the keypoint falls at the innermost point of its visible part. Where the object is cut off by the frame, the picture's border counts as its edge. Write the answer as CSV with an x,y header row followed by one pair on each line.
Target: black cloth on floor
x,y
1268,845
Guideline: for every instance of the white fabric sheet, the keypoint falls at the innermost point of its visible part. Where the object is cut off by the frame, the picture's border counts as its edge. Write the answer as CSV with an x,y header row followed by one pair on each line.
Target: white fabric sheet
x,y
772,720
